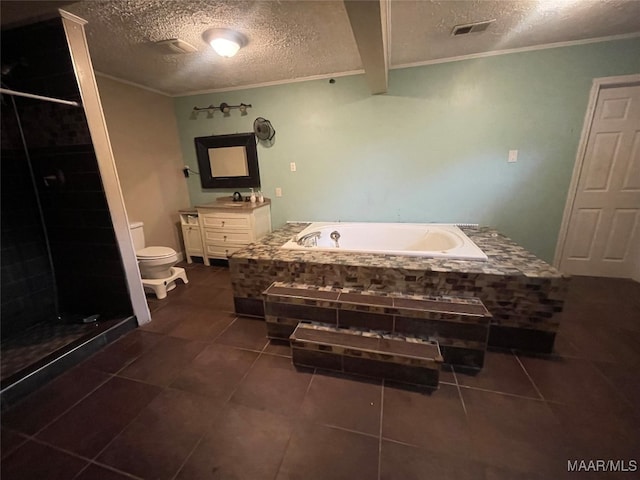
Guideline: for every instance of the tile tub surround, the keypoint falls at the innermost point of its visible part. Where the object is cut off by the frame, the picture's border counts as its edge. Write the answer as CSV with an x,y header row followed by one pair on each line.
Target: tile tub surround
x,y
390,356
523,293
459,325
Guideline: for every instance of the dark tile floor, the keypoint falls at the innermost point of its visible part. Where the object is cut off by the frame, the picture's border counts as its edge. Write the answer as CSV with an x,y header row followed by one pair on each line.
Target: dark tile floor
x,y
199,393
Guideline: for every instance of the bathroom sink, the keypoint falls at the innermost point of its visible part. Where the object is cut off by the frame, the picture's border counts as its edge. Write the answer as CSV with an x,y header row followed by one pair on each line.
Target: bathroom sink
x,y
234,204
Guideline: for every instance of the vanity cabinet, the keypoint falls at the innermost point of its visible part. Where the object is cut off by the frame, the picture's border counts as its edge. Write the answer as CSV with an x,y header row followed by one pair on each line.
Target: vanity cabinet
x,y
227,227
191,234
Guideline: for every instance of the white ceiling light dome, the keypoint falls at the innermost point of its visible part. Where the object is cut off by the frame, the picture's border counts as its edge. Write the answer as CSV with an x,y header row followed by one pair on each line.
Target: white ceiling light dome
x,y
224,41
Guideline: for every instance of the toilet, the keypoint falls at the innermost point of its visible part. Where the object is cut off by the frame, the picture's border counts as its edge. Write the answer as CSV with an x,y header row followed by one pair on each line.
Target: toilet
x,y
157,264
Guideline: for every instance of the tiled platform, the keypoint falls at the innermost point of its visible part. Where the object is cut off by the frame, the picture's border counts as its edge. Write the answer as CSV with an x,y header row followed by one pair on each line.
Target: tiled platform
x,y
392,357
459,325
200,393
524,294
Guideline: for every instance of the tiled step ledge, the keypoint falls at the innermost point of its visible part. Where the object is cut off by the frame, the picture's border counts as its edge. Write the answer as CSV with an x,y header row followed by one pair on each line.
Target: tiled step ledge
x,y
465,309
460,325
393,357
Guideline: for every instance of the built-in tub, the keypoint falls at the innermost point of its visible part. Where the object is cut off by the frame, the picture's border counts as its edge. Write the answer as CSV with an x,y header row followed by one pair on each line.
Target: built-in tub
x,y
416,239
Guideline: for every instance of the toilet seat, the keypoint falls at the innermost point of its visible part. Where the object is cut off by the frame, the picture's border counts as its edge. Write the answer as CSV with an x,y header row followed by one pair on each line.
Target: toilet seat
x,y
155,253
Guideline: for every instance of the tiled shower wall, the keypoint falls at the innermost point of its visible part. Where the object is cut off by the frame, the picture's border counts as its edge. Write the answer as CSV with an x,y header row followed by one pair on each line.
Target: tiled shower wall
x,y
87,262
27,291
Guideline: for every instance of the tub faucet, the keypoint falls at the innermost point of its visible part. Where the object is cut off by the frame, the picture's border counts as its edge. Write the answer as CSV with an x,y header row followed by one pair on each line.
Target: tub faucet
x,y
309,240
335,236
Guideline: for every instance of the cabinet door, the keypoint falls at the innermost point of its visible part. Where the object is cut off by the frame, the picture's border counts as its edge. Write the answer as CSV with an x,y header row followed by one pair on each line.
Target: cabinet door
x,y
192,240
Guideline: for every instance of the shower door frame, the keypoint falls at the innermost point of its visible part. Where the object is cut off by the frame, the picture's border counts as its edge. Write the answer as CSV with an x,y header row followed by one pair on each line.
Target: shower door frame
x,y
83,69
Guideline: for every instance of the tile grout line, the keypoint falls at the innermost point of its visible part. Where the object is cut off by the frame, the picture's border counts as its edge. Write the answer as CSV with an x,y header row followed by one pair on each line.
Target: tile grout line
x,y
506,394
313,375
216,337
611,384
90,461
246,374
399,442
455,377
286,447
109,375
164,389
124,427
189,455
380,430
226,402
110,468
529,377
343,429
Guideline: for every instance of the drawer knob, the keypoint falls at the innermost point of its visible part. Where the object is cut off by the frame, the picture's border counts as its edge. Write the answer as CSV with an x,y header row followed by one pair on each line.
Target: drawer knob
x,y
225,238
222,223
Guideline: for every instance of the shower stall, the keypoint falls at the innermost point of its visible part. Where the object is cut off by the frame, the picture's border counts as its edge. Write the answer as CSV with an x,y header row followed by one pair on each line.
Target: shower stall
x,y
64,292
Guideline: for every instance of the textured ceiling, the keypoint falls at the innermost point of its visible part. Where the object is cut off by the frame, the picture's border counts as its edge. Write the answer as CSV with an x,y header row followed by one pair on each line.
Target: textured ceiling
x,y
287,40
421,30
296,39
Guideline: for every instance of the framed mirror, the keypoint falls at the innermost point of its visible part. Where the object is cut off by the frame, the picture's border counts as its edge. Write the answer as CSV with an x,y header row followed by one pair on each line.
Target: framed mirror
x,y
228,161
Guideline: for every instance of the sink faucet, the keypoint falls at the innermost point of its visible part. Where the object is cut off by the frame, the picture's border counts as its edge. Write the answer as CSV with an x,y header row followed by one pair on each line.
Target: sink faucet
x,y
309,240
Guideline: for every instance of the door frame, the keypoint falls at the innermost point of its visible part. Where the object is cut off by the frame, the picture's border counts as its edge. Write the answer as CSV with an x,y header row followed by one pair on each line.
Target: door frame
x,y
597,85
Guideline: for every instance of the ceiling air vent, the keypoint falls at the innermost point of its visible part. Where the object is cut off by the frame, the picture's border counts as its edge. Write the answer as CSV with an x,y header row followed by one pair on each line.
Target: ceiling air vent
x,y
475,27
175,45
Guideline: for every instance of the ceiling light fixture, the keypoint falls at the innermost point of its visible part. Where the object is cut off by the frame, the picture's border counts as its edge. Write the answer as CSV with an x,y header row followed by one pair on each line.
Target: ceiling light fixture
x,y
224,41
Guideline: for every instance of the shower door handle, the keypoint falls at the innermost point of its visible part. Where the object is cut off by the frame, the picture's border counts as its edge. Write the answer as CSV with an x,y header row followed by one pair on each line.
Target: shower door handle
x,y
55,179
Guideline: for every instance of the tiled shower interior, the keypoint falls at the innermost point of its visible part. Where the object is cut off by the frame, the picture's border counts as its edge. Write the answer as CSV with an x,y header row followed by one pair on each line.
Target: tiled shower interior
x,y
59,255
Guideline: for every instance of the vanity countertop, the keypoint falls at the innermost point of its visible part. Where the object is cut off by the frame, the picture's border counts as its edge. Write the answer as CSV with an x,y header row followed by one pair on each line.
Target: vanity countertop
x,y
227,203
188,211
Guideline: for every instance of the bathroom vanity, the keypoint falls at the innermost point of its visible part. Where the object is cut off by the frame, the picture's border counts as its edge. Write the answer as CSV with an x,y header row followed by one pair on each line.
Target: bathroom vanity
x,y
227,226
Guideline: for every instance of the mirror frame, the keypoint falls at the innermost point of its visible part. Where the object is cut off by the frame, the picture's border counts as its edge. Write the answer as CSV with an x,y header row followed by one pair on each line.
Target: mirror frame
x,y
246,140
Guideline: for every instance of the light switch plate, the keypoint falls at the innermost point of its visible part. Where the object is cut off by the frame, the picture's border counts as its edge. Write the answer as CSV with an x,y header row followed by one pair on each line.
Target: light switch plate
x,y
513,156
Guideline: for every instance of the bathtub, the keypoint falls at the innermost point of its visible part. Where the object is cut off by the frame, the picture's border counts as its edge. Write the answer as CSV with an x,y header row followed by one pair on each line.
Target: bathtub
x,y
416,239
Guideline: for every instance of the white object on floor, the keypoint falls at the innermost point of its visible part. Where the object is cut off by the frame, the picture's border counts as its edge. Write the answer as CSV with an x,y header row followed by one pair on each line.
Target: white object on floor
x,y
160,286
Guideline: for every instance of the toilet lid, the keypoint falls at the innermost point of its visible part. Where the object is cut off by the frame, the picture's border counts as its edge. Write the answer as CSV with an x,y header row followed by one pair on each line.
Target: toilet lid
x,y
155,252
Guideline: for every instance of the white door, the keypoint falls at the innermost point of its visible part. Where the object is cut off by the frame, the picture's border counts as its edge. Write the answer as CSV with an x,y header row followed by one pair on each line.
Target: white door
x,y
603,235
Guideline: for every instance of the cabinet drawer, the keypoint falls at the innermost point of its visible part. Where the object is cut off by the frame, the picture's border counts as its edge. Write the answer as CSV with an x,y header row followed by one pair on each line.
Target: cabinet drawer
x,y
226,220
225,236
219,251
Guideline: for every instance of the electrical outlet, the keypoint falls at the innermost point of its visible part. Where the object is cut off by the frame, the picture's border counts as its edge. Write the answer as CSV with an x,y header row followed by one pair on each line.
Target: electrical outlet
x,y
513,156
278,192
293,166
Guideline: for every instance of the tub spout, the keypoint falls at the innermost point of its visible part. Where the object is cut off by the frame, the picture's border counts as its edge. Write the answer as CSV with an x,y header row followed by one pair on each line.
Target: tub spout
x,y
309,240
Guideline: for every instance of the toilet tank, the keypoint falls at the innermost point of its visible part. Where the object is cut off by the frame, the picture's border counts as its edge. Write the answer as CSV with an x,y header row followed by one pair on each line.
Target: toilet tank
x,y
137,233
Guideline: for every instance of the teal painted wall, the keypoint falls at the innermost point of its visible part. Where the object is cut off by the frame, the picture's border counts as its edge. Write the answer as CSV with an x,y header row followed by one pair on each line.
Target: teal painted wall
x,y
433,149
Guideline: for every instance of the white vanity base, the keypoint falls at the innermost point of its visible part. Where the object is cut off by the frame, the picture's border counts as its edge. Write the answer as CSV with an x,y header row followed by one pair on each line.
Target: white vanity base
x,y
160,286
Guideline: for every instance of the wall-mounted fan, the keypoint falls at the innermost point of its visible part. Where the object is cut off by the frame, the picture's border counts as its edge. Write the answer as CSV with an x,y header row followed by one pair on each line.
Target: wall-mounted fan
x,y
264,131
